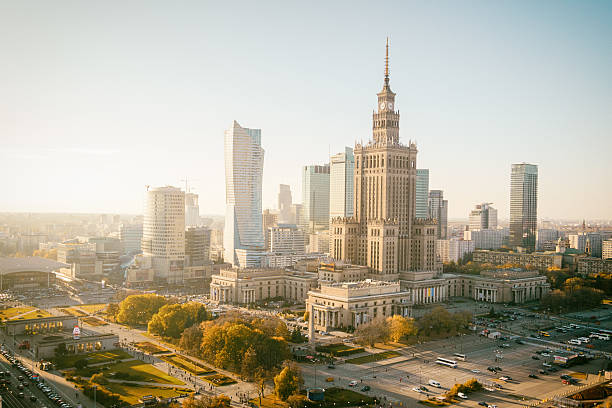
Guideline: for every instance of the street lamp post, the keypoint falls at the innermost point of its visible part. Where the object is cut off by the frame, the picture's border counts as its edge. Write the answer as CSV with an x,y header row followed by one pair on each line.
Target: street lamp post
x,y
95,389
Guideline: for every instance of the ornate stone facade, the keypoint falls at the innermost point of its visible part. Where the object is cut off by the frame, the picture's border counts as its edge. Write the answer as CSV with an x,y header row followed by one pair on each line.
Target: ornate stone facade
x,y
384,233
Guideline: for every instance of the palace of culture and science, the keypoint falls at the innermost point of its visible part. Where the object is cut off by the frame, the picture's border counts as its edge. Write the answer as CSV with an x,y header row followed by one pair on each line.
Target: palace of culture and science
x,y
384,233
384,259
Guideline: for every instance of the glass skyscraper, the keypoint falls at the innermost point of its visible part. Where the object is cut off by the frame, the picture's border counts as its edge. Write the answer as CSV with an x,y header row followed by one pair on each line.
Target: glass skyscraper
x,y
243,239
422,191
341,180
523,205
315,197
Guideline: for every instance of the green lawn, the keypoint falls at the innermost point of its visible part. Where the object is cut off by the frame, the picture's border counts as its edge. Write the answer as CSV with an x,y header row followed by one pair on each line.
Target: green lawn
x,y
92,358
139,371
34,314
187,364
92,308
150,348
11,312
132,394
341,397
370,358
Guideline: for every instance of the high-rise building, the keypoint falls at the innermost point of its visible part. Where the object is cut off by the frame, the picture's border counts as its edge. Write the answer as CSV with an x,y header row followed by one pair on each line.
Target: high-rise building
x,y
315,199
197,246
163,232
269,219
286,239
243,236
284,204
487,238
546,239
454,249
192,210
523,205
131,238
483,217
594,240
341,173
438,210
422,192
384,234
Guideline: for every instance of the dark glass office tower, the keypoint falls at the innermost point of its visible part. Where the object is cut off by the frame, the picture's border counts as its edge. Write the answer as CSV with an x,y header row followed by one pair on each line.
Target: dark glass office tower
x,y
523,205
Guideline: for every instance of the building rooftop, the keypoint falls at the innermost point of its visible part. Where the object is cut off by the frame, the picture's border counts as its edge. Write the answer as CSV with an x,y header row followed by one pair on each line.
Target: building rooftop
x,y
29,264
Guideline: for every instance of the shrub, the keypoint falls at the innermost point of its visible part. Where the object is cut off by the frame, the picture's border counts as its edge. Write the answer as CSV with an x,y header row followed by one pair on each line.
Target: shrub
x,y
80,364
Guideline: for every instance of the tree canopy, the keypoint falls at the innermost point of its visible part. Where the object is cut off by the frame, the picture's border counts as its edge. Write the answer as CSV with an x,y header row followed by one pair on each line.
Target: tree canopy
x,y
288,382
172,320
137,310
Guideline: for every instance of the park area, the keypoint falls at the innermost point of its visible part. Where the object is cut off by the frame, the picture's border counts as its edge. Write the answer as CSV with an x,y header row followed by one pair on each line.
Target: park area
x,y
22,313
150,348
133,393
94,321
370,358
107,356
187,364
339,349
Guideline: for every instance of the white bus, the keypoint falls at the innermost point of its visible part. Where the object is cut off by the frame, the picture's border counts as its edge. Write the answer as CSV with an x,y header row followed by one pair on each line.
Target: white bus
x,y
460,357
446,362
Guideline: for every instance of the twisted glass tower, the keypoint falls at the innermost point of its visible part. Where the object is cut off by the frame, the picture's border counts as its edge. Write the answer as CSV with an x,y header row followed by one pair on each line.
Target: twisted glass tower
x,y
243,238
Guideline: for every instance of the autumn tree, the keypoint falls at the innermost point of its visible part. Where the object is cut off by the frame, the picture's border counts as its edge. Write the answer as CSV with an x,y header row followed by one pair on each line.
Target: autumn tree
x,y
191,338
400,327
137,310
297,401
171,320
372,332
288,381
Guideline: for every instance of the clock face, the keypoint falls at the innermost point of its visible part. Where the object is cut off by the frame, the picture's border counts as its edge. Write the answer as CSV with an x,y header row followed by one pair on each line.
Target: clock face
x,y
390,105
382,105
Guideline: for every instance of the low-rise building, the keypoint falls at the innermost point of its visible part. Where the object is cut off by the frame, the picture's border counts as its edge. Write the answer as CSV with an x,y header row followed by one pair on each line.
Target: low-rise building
x,y
351,304
536,260
233,285
500,286
590,265
488,238
337,271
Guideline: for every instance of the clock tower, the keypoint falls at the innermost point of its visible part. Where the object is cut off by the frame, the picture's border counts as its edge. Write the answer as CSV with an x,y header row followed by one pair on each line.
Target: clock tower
x,y
385,122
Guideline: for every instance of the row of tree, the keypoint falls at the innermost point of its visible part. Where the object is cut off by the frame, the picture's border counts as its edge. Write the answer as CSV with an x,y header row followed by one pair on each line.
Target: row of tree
x,y
436,324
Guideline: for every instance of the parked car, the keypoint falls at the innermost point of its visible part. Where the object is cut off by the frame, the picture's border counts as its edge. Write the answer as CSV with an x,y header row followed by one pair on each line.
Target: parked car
x,y
366,388
533,376
353,383
462,395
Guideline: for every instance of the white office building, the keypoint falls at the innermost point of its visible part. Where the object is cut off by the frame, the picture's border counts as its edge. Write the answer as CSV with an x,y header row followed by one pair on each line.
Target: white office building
x,y
243,236
341,176
483,217
454,249
163,234
488,239
286,239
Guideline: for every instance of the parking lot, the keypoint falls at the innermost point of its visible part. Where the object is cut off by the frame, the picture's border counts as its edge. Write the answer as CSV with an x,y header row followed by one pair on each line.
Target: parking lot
x,y
395,378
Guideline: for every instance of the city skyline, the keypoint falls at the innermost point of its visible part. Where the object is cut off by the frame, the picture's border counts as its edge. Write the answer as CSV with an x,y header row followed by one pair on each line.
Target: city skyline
x,y
110,123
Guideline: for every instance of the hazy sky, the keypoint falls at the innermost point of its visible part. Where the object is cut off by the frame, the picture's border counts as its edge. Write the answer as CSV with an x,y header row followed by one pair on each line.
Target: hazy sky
x,y
99,99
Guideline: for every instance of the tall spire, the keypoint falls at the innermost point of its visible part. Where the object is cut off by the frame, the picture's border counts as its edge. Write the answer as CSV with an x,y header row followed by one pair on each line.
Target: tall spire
x,y
387,64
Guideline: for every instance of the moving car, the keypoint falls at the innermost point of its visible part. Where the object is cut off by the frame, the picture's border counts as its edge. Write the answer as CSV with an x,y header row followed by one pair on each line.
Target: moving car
x,y
533,376
462,395
483,404
434,383
353,383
